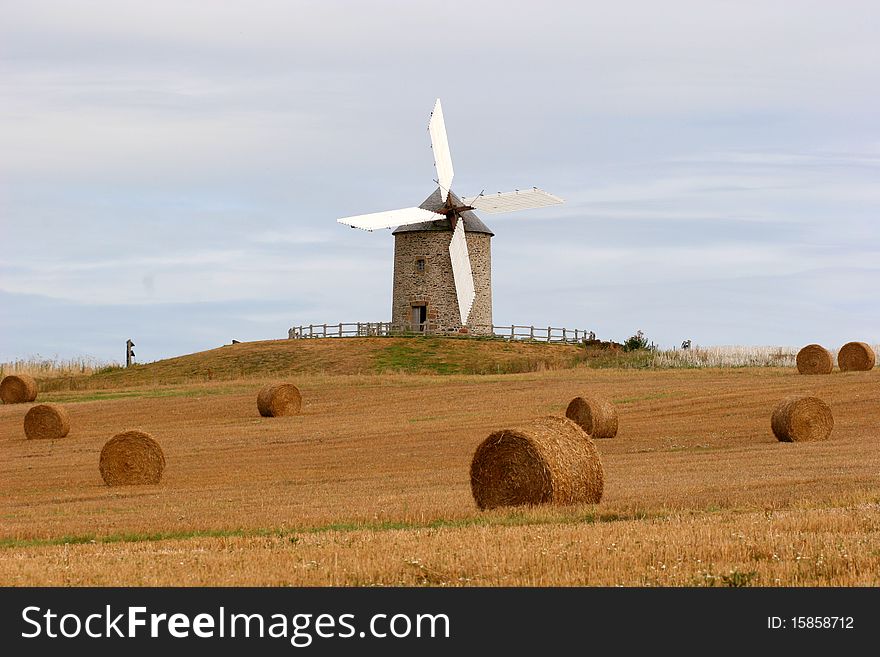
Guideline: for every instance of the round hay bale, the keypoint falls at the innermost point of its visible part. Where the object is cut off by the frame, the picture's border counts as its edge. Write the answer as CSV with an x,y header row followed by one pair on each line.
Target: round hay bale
x,y
46,421
549,460
131,457
279,399
814,359
595,415
856,357
18,389
801,419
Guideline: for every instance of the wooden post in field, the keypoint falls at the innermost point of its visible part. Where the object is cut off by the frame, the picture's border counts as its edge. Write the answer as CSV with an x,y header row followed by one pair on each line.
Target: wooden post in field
x,y
129,352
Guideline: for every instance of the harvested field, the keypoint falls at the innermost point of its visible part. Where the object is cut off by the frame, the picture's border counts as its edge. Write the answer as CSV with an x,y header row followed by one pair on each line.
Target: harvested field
x,y
370,485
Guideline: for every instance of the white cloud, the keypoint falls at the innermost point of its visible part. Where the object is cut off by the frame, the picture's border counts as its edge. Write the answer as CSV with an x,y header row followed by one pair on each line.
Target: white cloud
x,y
782,159
161,153
293,236
198,277
195,259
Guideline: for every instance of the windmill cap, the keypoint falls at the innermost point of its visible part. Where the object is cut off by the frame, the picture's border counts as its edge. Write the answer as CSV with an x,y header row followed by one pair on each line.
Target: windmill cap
x,y
472,223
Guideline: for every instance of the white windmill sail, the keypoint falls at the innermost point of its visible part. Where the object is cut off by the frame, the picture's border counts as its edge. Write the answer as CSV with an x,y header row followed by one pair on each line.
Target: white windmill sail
x,y
440,146
390,219
461,271
521,199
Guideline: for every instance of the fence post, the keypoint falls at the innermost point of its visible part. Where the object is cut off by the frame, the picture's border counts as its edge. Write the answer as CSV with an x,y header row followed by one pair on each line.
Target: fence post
x,y
311,331
531,333
340,329
359,328
563,335
325,330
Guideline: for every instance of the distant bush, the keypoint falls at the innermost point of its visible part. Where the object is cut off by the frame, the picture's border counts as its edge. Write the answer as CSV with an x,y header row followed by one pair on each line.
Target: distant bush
x,y
636,342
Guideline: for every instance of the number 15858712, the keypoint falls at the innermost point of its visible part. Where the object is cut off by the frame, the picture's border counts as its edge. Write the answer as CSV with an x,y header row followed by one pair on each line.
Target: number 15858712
x,y
810,623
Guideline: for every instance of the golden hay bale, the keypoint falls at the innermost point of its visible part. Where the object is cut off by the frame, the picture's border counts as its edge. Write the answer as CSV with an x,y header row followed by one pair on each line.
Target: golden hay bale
x,y
814,359
856,357
18,388
131,457
46,421
595,415
279,399
549,460
799,419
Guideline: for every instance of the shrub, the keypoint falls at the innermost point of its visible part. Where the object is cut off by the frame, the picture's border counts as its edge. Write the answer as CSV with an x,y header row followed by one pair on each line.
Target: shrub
x,y
636,342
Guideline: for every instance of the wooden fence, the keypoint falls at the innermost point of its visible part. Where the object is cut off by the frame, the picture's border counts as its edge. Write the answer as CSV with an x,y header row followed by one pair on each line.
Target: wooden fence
x,y
376,329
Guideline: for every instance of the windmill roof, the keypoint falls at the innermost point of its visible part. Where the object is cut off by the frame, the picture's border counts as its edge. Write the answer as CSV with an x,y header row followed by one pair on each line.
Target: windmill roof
x,y
434,202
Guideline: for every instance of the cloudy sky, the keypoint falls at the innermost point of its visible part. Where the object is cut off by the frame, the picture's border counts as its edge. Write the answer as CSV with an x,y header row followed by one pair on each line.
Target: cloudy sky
x,y
172,171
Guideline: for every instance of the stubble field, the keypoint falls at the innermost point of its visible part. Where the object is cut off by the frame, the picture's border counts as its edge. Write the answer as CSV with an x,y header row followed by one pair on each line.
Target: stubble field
x,y
370,486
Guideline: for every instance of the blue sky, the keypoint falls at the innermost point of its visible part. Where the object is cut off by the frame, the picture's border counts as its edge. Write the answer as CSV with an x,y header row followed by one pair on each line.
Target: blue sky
x,y
172,171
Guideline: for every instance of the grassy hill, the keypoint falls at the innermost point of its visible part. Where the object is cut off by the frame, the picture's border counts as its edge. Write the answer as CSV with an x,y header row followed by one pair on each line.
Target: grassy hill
x,y
431,355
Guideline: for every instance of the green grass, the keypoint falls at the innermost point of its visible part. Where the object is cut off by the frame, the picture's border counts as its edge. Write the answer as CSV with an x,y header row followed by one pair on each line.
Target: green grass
x,y
103,395
417,355
511,520
83,539
653,395
109,368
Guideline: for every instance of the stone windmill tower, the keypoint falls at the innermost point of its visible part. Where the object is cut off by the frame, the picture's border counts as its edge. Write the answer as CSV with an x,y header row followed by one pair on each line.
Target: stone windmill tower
x,y
442,251
424,292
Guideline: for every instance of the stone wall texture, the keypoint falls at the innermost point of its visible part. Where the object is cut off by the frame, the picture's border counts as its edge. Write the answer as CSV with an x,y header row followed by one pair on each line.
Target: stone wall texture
x,y
435,287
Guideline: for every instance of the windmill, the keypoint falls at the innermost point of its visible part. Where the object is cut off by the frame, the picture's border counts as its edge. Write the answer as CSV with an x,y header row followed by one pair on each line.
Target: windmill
x,y
421,289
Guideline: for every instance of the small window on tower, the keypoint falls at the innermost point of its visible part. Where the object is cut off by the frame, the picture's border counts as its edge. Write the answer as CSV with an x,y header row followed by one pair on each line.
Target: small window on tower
x,y
420,265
